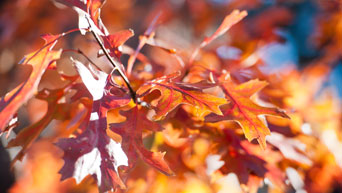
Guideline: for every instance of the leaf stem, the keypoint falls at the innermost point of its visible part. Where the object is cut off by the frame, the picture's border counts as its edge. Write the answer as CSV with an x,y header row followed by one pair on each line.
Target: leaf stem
x,y
115,64
51,42
78,51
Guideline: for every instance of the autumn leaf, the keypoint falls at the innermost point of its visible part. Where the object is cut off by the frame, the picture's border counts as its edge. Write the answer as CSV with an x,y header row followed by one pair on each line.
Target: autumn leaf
x,y
90,21
250,163
227,23
291,148
176,93
238,160
114,41
243,165
88,15
39,60
56,110
149,33
132,141
93,152
244,111
27,135
102,124
89,18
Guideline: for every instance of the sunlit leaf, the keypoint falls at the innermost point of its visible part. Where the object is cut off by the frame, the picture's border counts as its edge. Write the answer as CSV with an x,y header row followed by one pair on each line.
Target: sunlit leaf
x,y
114,41
93,152
88,14
175,93
39,60
244,111
227,23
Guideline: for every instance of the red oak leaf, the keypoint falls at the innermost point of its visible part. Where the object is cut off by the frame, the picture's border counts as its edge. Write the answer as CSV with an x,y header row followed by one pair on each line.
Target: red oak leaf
x,y
176,93
93,152
249,164
56,110
239,161
244,111
39,60
272,158
89,19
227,23
88,14
132,143
292,149
114,41
149,33
30,133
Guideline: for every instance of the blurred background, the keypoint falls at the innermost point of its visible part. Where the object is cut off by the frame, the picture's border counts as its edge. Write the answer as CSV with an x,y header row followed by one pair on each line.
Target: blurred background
x,y
298,40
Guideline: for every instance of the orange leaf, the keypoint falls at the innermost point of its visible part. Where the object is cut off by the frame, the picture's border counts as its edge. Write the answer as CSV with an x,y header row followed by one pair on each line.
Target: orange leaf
x,y
176,93
114,41
227,23
39,60
27,135
244,111
142,41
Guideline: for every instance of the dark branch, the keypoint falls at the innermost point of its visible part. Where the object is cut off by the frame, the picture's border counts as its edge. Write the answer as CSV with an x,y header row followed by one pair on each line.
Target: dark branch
x,y
115,64
78,51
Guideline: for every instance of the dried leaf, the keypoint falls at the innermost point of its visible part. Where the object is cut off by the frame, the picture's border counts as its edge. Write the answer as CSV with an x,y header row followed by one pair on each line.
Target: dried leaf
x,y
251,164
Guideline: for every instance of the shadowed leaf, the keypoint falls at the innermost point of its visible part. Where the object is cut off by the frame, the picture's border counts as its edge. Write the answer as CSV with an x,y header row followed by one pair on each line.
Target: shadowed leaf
x,y
132,143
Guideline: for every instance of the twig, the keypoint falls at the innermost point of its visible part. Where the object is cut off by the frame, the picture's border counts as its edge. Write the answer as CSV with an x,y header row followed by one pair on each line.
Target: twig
x,y
78,51
51,42
114,63
148,34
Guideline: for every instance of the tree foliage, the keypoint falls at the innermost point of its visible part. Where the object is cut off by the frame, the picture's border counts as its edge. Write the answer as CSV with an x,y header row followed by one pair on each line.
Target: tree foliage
x,y
203,121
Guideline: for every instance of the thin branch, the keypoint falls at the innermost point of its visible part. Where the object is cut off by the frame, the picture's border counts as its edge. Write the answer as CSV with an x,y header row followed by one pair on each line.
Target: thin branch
x,y
51,42
78,51
115,64
142,41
